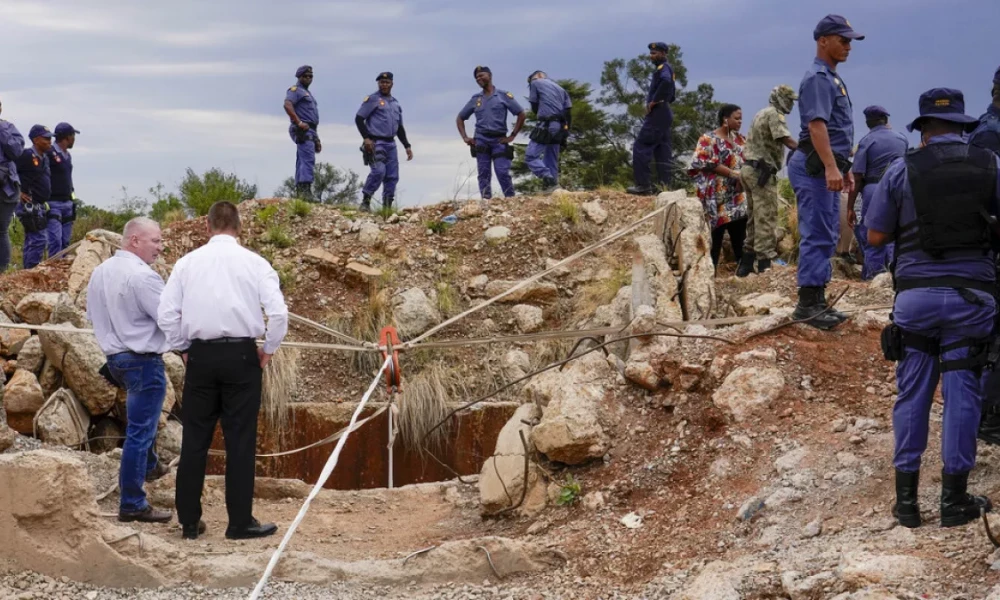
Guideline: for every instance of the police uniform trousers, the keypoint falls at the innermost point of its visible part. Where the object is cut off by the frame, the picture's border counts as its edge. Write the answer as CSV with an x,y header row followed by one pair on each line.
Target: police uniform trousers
x,y
35,242
222,383
305,155
653,144
819,223
941,314
762,206
877,258
60,225
543,159
490,153
384,171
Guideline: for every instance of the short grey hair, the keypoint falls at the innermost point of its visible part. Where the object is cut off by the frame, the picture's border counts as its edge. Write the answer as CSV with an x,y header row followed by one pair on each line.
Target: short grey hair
x,y
134,226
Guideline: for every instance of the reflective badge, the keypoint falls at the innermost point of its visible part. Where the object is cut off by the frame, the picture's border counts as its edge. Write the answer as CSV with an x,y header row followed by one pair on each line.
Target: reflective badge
x,y
34,160
836,81
381,102
843,90
509,95
479,103
293,88
659,68
942,102
366,98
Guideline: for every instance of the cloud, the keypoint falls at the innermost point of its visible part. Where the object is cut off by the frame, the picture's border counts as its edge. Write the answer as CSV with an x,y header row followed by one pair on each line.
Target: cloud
x,y
177,69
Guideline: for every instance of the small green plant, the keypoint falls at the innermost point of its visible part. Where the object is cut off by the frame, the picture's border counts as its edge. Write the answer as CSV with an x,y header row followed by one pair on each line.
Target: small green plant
x,y
437,227
277,236
567,209
299,208
447,298
569,491
286,278
385,213
266,214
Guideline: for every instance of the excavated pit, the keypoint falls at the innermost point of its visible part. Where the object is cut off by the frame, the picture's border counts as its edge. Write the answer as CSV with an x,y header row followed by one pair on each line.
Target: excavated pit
x,y
364,461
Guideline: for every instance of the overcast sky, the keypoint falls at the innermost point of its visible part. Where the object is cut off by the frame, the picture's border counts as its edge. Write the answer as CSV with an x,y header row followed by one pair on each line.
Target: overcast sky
x,y
159,87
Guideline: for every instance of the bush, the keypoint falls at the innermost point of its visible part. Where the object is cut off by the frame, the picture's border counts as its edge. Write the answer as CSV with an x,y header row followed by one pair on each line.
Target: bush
x,y
277,236
199,193
299,208
330,186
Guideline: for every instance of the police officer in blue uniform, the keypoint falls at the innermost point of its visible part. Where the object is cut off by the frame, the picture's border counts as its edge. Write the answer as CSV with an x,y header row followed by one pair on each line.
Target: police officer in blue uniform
x,y
552,107
987,134
380,120
937,204
36,187
654,139
820,168
875,152
62,208
300,106
11,147
491,145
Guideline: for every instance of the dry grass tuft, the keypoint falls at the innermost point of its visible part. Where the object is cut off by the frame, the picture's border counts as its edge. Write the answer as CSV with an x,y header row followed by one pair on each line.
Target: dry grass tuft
x,y
365,323
600,292
424,403
280,384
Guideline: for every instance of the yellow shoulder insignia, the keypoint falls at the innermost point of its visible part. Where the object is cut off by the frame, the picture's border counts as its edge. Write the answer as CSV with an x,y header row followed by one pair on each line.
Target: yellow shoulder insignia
x,y
293,88
673,76
659,68
509,95
366,98
843,91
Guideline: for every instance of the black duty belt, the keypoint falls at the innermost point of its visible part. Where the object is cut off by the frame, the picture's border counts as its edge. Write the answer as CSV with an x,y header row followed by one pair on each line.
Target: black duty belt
x,y
806,147
224,340
492,134
383,139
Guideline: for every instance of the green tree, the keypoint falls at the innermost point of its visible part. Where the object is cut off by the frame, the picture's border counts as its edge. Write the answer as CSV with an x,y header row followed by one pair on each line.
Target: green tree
x,y
199,193
167,207
330,186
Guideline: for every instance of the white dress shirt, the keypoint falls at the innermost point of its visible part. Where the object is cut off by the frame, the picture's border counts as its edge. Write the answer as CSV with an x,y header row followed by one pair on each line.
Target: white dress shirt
x,y
122,299
218,291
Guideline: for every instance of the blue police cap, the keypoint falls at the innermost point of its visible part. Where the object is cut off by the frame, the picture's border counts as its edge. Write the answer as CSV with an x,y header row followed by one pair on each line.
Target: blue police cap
x,y
481,69
661,46
64,129
384,75
875,111
945,104
39,131
303,70
836,25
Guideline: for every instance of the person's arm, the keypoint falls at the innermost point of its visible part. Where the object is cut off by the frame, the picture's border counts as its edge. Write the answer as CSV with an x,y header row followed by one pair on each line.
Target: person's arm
x,y
290,98
533,97
401,133
790,143
148,292
11,142
168,311
273,303
665,87
882,216
463,115
514,107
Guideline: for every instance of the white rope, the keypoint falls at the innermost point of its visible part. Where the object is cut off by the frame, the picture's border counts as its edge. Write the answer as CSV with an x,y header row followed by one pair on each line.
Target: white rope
x,y
331,463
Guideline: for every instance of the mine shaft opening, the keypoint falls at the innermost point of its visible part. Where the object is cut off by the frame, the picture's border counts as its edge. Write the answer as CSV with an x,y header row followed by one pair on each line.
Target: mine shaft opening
x,y
470,439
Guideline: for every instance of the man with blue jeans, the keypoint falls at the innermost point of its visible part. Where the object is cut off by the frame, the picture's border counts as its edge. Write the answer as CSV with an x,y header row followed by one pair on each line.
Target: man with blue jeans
x,y
937,204
122,301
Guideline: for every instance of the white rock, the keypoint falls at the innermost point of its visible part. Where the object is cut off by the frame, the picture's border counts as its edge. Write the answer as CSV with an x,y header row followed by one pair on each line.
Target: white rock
x,y
813,529
36,308
659,277
747,389
477,283
22,397
862,568
79,358
595,212
810,588
497,234
528,318
64,421
501,481
593,500
632,521
783,496
515,364
96,247
369,234
764,354
12,340
414,313
717,581
790,460
882,281
760,304
30,358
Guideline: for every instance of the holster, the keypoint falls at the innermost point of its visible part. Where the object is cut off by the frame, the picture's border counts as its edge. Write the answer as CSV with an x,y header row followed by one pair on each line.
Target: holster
x,y
892,342
473,150
72,214
542,135
301,136
368,157
509,152
814,164
764,171
33,218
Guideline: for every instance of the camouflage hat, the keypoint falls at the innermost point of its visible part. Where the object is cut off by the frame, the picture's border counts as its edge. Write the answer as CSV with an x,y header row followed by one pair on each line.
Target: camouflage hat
x,y
783,98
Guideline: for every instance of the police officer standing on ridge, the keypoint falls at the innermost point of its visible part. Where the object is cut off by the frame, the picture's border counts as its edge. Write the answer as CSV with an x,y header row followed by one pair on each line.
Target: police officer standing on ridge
x,y
653,141
380,120
11,147
987,134
876,151
491,145
552,107
820,169
300,106
62,209
936,204
764,153
36,187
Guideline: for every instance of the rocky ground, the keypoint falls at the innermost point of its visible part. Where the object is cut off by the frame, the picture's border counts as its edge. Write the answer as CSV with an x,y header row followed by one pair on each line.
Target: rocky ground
x,y
756,465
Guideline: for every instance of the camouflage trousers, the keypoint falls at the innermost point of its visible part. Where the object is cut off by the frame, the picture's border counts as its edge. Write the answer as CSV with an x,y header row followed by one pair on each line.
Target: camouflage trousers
x,y
762,204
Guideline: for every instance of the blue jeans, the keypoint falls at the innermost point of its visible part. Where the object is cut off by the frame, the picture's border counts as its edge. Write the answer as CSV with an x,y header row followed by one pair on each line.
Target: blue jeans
x,y
145,381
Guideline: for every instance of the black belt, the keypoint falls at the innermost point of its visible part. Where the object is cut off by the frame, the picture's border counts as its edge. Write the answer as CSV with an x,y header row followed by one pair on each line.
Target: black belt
x,y
383,139
806,147
551,119
224,340
492,134
135,354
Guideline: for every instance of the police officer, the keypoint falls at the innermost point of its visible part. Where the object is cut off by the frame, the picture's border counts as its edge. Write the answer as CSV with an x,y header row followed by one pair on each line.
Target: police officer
x,y
987,134
876,151
820,168
300,106
491,145
653,141
552,107
380,120
11,147
764,155
62,208
36,187
934,203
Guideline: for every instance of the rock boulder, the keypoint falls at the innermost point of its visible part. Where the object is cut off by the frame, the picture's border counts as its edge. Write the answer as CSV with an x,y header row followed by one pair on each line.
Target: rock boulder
x,y
79,358
22,398
501,482
746,389
64,420
36,308
414,313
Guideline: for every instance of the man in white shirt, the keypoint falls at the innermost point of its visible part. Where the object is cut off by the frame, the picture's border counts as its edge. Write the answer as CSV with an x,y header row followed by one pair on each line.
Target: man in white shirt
x,y
211,310
122,300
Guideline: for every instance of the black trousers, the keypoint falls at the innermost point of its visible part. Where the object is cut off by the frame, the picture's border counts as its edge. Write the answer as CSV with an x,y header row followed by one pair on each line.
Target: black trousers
x,y
222,382
737,234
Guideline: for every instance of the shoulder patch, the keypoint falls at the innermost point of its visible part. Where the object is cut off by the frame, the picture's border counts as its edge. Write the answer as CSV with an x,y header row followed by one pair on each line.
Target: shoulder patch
x,y
293,88
366,98
659,68
509,95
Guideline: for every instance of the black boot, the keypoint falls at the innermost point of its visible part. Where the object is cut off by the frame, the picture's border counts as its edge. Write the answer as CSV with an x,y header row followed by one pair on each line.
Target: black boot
x,y
763,265
387,202
746,264
640,190
366,203
906,510
304,191
841,317
549,185
809,307
958,507
989,426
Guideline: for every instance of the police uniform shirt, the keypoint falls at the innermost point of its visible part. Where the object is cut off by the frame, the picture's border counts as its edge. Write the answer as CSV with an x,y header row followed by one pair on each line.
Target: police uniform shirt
x,y
304,104
491,111
987,133
36,178
11,148
552,100
382,114
893,206
61,165
877,150
823,95
662,87
764,137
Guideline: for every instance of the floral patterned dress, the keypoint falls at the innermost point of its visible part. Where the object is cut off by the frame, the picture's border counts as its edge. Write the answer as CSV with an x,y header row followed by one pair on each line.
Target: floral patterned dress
x,y
722,197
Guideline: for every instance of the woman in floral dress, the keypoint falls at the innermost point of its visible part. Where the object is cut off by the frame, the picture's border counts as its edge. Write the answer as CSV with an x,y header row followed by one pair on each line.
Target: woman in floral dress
x,y
715,169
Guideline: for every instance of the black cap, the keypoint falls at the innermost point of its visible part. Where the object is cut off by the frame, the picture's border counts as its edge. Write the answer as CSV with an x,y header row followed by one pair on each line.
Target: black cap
x,y
661,46
836,25
481,69
384,75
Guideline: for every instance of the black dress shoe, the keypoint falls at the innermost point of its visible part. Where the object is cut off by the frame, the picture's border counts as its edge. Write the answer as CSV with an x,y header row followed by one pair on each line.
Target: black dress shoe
x,y
157,473
641,190
191,532
149,515
254,530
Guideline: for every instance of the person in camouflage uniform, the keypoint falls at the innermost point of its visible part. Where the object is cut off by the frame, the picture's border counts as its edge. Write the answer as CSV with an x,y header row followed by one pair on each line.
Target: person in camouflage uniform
x,y
764,153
